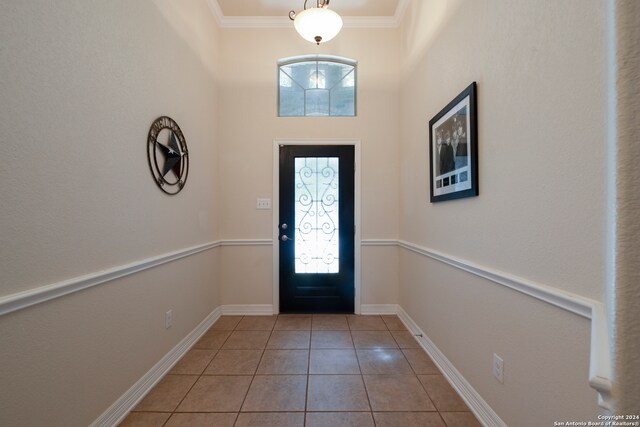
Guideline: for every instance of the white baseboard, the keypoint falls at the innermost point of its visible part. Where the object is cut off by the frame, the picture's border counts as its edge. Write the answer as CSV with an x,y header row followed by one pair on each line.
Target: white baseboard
x,y
121,407
267,309
481,409
378,308
247,309
600,370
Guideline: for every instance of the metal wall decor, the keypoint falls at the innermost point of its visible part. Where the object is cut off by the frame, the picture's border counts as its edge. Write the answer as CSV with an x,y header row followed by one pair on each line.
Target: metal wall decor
x,y
168,155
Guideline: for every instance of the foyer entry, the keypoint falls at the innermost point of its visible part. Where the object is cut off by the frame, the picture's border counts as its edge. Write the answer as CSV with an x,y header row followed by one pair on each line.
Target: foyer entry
x,y
316,228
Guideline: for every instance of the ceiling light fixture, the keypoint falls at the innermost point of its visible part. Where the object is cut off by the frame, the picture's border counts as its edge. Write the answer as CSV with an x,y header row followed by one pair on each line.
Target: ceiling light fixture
x,y
317,24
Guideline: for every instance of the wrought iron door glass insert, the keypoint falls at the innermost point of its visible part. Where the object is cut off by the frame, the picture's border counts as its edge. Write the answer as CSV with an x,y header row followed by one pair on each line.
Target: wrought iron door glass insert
x,y
316,215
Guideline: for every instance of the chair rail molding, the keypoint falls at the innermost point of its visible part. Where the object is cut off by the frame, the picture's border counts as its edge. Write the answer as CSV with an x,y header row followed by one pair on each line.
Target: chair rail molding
x,y
600,372
28,298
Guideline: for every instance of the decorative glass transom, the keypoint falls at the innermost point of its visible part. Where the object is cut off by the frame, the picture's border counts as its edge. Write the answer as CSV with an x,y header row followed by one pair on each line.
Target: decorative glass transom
x,y
316,217
321,87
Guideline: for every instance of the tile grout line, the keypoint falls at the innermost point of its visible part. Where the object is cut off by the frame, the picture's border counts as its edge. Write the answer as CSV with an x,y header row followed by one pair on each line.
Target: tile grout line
x,y
442,418
253,377
418,378
273,329
364,385
306,397
199,376
421,384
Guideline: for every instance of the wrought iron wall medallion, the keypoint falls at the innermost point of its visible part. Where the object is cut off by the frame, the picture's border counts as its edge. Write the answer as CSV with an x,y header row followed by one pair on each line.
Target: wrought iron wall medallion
x,y
168,155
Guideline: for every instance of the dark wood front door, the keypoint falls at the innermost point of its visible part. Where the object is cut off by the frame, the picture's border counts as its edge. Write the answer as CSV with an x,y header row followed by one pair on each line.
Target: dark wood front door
x,y
316,229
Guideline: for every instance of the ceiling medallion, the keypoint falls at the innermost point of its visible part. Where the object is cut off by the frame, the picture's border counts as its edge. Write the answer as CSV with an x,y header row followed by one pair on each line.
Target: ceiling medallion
x,y
317,24
168,155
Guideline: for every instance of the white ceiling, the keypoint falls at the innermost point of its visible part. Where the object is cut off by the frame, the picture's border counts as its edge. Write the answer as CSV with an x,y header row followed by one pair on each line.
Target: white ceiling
x,y
275,13
360,8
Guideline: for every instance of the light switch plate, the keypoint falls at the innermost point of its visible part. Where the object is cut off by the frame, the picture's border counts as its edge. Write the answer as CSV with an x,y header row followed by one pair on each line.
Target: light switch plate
x,y
263,204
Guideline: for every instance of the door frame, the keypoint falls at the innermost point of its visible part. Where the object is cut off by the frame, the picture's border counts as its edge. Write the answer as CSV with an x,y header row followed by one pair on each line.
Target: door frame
x,y
276,213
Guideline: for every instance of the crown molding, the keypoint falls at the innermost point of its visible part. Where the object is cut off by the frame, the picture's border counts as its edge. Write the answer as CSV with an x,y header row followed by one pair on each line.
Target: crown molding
x,y
224,21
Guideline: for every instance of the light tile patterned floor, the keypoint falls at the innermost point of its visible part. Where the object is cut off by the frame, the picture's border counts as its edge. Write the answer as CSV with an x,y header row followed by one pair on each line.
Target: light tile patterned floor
x,y
304,371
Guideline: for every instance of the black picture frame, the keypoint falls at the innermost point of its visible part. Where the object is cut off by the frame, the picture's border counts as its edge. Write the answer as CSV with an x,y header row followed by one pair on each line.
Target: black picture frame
x,y
453,148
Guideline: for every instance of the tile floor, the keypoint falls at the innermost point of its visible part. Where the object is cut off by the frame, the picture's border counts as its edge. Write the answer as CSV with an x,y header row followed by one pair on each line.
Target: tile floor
x,y
304,371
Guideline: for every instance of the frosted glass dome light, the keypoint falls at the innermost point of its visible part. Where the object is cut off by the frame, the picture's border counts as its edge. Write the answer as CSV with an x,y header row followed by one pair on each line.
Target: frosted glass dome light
x,y
317,24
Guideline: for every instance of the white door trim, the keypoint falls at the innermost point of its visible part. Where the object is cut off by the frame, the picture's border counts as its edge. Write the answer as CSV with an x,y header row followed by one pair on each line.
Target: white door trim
x,y
276,212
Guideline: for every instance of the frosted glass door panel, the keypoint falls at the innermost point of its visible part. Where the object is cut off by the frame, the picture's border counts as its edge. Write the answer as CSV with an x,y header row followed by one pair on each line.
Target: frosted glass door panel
x,y
316,215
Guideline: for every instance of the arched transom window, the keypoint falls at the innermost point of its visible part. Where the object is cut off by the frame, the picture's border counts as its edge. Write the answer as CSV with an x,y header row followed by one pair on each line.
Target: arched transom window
x,y
316,86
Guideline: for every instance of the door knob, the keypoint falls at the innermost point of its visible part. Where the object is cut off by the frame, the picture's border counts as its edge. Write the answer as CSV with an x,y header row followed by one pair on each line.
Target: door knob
x,y
285,226
285,237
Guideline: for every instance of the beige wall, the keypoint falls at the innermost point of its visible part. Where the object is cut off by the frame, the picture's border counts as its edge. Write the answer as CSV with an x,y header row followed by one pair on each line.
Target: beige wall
x,y
624,297
80,84
64,362
85,80
540,70
380,274
248,111
541,102
246,275
545,349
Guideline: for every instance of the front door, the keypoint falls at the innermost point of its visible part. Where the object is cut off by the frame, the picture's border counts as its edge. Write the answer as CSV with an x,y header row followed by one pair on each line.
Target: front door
x,y
316,229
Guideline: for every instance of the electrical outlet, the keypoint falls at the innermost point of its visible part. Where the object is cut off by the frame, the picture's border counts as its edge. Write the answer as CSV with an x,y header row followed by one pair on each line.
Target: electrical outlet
x,y
263,204
168,319
498,368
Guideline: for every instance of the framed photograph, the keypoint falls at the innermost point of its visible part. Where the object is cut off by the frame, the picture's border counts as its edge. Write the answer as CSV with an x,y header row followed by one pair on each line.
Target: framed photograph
x,y
453,149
